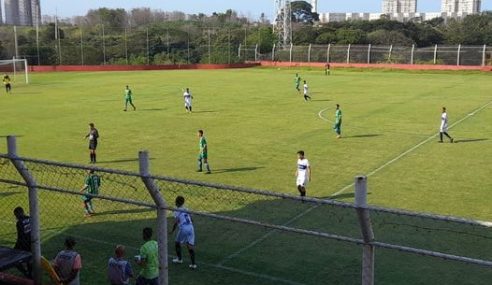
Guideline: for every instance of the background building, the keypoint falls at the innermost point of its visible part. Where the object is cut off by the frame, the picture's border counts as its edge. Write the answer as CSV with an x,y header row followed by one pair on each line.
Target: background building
x,y
461,6
22,12
399,6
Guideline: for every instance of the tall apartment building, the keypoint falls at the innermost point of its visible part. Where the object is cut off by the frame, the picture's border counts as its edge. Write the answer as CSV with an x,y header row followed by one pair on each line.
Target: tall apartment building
x,y
22,12
399,6
461,6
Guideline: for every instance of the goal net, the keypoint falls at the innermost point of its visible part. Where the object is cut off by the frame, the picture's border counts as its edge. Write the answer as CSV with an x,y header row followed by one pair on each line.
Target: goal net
x,y
16,69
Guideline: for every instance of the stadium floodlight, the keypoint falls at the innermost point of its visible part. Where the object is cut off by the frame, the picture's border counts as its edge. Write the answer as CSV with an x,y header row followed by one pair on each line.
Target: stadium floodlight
x,y
15,67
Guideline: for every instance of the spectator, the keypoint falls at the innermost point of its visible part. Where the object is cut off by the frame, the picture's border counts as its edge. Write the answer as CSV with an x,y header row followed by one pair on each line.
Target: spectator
x,y
23,242
119,270
148,260
68,263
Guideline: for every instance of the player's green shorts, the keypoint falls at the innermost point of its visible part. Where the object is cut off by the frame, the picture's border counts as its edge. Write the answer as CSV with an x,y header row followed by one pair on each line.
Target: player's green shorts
x,y
203,155
86,198
128,100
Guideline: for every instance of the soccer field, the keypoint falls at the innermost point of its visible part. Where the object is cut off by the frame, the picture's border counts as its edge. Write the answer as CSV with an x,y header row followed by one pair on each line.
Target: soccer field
x,y
255,122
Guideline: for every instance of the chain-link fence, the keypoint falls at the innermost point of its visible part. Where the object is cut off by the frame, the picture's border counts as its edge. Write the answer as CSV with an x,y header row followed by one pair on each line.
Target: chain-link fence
x,y
376,54
97,45
244,236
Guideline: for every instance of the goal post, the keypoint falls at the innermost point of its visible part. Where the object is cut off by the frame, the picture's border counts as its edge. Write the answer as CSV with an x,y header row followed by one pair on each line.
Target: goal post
x,y
18,68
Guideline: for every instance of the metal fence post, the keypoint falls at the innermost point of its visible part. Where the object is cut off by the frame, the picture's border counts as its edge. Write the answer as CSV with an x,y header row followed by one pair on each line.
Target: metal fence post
x,y
484,55
369,53
290,52
390,53
366,230
256,52
328,53
273,52
33,207
239,51
348,54
412,54
309,53
458,56
153,189
435,54
104,44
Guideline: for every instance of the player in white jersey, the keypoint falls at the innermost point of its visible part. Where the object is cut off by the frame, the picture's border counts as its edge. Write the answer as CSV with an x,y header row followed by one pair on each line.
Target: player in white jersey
x,y
443,130
303,173
187,99
186,232
306,91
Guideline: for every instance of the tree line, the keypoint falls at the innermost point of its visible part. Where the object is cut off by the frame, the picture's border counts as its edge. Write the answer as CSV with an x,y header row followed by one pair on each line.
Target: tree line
x,y
143,35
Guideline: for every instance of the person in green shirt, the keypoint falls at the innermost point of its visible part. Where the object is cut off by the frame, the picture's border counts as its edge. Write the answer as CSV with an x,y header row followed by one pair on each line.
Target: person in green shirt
x,y
91,188
203,155
129,99
298,82
148,260
338,122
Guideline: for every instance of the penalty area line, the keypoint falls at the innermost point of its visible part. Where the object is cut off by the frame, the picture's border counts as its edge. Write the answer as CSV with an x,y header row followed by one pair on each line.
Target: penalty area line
x,y
412,149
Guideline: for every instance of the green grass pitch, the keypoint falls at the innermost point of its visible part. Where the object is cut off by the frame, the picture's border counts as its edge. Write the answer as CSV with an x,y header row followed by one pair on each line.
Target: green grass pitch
x,y
255,122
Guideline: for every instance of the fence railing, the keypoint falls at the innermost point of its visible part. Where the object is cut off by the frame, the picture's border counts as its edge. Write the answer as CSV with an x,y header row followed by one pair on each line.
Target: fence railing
x,y
374,54
101,45
232,221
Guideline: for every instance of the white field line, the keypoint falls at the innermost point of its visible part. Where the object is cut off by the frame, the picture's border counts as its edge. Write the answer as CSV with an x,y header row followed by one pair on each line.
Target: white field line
x,y
265,236
320,115
221,267
410,150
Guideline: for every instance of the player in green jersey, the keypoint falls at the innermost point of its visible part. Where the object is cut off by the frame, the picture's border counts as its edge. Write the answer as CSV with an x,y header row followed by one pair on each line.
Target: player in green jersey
x,y
338,122
203,155
129,99
91,188
298,82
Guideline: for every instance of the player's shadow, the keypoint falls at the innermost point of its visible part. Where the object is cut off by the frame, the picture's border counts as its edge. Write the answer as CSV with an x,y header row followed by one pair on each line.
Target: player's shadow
x,y
321,100
239,169
7,194
363,136
121,160
470,140
128,211
151,109
206,111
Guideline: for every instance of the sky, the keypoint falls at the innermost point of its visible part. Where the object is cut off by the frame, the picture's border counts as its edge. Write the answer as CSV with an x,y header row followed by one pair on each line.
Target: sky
x,y
251,8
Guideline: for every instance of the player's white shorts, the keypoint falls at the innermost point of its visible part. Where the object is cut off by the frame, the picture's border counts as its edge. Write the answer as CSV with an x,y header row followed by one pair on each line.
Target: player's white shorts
x,y
187,102
302,181
186,235
444,128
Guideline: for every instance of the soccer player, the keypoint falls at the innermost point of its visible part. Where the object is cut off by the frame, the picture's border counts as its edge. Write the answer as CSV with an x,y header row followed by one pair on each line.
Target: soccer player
x,y
187,99
444,126
68,263
186,232
119,270
298,82
91,187
203,155
148,260
303,173
306,91
93,135
6,82
23,242
129,98
327,69
338,122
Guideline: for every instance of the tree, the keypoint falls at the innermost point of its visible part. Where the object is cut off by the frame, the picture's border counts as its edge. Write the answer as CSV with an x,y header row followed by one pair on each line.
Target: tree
x,y
384,37
350,36
302,12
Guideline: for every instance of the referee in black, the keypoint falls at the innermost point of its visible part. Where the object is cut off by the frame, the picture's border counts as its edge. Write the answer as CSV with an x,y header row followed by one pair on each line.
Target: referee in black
x,y
93,135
